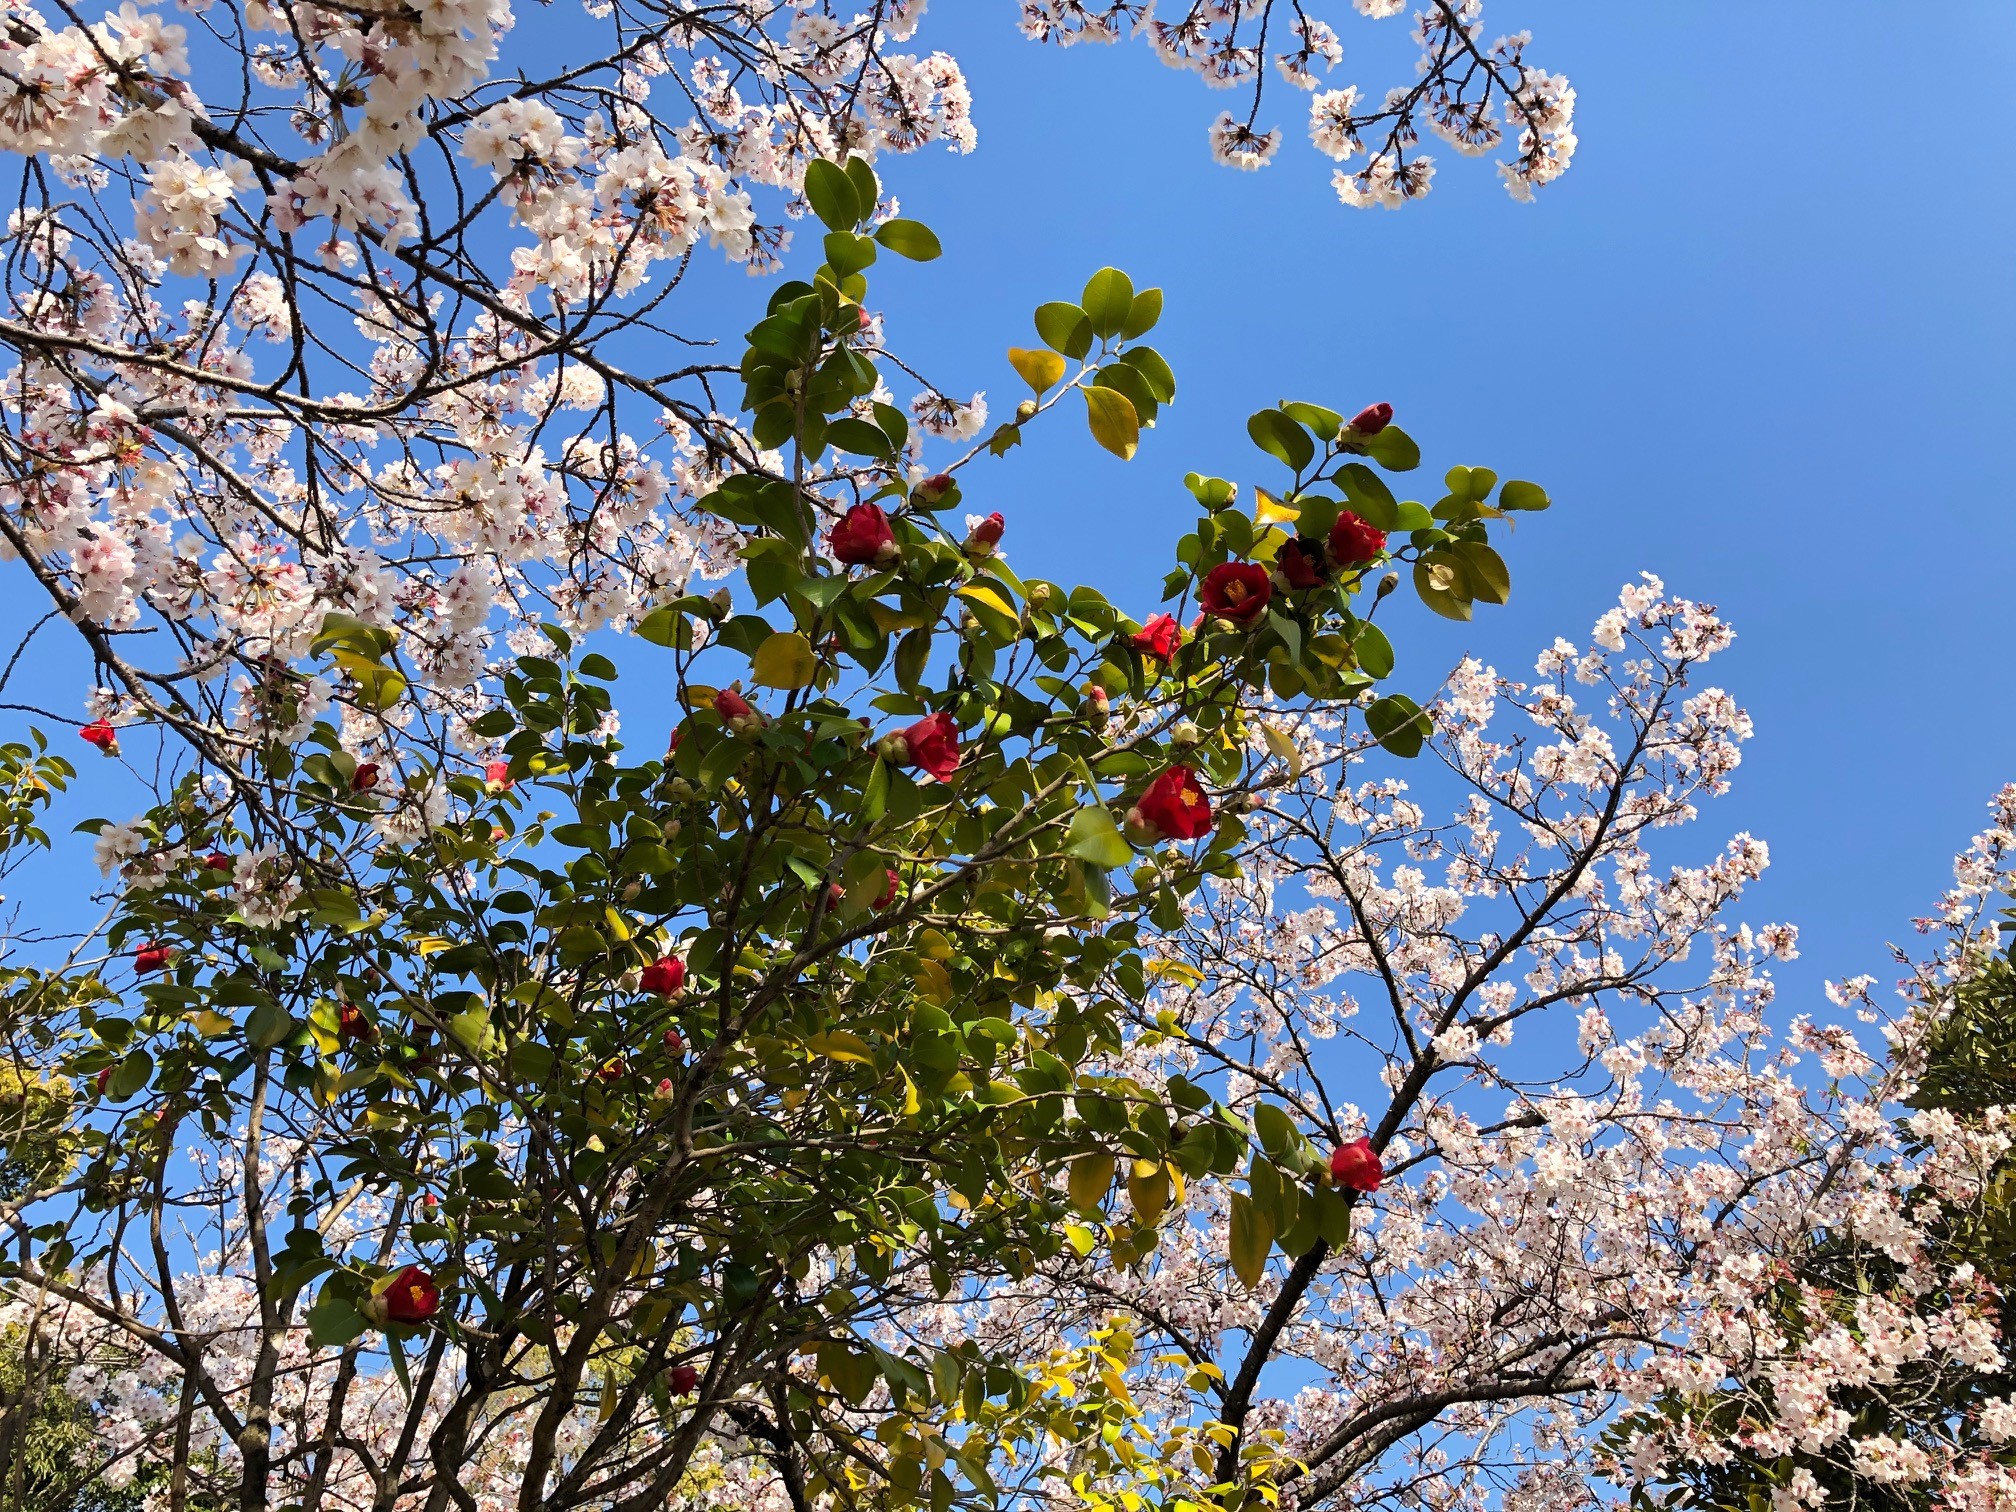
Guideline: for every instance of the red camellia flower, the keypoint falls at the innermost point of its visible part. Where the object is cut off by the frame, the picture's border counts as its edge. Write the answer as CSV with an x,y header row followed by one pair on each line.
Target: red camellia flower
x,y
1174,806
888,894
101,734
104,1080
611,1070
351,1023
933,745
678,734
497,776
984,537
1372,419
152,957
683,1378
365,777
863,538
1356,1166
217,861
664,976
1353,542
412,1297
1301,564
1236,591
1158,638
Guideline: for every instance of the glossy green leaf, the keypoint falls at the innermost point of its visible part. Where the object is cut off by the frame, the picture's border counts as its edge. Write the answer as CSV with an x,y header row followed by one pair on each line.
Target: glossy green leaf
x,y
1064,328
908,238
1108,301
832,195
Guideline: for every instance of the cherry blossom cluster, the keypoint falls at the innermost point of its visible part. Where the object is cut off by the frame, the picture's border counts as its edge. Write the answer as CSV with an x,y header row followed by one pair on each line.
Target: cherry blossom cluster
x,y
384,337
1601,1134
1479,98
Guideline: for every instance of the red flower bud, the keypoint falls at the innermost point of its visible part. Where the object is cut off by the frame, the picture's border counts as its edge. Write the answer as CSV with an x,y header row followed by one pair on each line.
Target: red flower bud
x,y
932,745
217,861
664,976
1175,806
497,776
1353,542
365,777
683,1379
1372,419
863,538
104,1080
1237,591
1158,638
152,957
678,734
1356,1166
736,713
101,734
933,488
675,1043
984,537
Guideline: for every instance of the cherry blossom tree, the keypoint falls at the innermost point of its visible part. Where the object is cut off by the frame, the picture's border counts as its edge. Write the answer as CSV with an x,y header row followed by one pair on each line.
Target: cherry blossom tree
x,y
1528,1141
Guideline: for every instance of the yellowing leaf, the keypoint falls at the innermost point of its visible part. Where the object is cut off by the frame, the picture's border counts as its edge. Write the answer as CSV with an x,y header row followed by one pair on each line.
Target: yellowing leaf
x,y
1040,370
1178,971
1114,424
1148,1189
1090,1179
838,1044
1271,511
785,660
208,1023
1284,747
934,982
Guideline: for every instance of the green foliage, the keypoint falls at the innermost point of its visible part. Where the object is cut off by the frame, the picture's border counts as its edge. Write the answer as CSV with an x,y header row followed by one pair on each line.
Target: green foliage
x,y
865,1088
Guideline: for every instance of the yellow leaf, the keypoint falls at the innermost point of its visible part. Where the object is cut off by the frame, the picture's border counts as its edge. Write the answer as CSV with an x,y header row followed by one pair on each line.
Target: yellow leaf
x,y
1148,1189
889,621
1091,1178
1284,747
838,1044
427,945
208,1023
1040,370
934,983
1271,511
785,660
1181,971
1114,424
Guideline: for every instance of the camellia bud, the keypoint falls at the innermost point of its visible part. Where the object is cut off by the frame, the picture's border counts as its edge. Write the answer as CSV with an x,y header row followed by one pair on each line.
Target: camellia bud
x,y
663,1091
1097,705
894,749
1186,733
1388,583
217,861
1025,411
496,777
675,1042
631,889
985,537
932,489
100,734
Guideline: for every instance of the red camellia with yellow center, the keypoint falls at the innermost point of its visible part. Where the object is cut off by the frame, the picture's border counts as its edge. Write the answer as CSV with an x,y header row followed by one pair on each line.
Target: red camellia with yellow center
x,y
1237,591
1174,807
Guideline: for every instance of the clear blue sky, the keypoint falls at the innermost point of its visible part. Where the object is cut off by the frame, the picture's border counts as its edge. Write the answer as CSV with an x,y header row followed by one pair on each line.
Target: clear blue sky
x,y
1759,340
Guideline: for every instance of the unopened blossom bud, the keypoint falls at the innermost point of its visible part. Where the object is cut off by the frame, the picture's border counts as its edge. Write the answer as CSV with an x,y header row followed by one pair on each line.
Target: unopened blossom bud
x,y
1186,733
496,777
1388,583
663,1091
1371,420
675,1042
217,861
894,749
985,537
671,827
1025,411
1097,705
720,601
932,490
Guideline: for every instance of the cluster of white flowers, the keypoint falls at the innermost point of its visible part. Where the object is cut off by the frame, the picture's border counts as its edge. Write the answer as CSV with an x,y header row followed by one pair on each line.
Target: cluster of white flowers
x,y
1470,94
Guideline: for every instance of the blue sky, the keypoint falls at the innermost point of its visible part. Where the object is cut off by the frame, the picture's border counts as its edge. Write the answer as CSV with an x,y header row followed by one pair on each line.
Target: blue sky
x,y
1758,340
